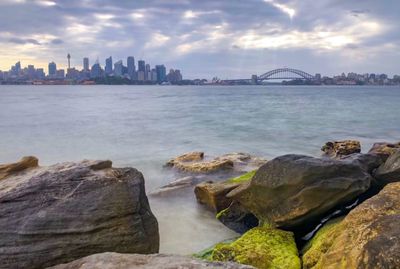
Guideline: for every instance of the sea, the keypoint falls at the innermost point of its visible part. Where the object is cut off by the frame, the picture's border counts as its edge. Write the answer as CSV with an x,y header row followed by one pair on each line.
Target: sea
x,y
145,126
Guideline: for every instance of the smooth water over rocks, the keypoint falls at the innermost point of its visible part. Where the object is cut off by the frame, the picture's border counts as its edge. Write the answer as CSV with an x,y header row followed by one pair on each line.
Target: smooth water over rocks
x,y
145,126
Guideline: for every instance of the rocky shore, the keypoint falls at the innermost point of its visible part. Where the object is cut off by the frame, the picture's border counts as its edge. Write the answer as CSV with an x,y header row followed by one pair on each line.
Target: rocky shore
x,y
340,210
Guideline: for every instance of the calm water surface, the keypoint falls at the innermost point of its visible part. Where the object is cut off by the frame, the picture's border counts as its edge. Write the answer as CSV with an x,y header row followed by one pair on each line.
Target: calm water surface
x,y
144,126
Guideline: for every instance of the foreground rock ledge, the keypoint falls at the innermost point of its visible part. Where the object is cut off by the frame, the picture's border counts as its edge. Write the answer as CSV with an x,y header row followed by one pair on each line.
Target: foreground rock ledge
x,y
130,261
368,237
57,214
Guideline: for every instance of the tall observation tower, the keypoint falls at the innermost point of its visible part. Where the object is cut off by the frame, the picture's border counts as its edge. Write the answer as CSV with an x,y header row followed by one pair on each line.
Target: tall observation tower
x,y
69,61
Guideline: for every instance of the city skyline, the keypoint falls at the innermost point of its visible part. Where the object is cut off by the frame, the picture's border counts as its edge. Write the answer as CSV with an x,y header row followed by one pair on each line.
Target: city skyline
x,y
206,38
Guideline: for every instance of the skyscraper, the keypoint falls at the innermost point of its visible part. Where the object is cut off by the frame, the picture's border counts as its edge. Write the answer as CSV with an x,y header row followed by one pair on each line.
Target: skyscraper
x,y
52,69
148,72
85,64
131,67
142,66
109,66
161,73
118,68
96,71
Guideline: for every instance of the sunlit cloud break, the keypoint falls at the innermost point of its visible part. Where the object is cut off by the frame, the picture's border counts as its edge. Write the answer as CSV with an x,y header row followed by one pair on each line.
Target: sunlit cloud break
x,y
284,8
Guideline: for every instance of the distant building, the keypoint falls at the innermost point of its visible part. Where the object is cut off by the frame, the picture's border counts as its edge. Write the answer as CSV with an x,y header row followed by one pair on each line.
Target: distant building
x,y
142,66
86,64
60,74
40,73
118,69
109,66
130,63
148,72
153,75
174,76
96,71
52,69
141,75
161,73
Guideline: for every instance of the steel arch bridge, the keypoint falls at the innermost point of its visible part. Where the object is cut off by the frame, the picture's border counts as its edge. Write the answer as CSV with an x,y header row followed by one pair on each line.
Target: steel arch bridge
x,y
285,73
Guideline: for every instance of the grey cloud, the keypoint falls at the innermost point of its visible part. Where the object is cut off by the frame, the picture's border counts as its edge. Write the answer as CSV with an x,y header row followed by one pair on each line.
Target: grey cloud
x,y
122,35
23,41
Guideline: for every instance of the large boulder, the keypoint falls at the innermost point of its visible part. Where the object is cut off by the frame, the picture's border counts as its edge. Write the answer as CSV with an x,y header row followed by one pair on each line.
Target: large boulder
x,y
50,215
294,190
384,149
367,238
390,170
261,247
339,149
136,261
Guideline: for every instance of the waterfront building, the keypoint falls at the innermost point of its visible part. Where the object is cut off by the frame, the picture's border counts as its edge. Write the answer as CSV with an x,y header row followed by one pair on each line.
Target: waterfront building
x,y
60,74
96,71
40,73
153,75
141,75
109,66
161,73
31,72
118,69
141,67
52,69
130,63
86,64
174,76
148,72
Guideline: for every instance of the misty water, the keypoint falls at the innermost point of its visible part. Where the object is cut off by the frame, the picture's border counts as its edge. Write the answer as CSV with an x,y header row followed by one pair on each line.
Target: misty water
x,y
144,126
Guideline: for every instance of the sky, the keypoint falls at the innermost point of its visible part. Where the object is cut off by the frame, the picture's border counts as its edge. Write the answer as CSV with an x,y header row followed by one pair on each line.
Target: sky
x,y
206,38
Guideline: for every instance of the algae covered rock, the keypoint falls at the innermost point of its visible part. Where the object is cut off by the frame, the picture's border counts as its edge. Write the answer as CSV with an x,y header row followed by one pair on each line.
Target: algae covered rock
x,y
339,149
261,247
320,243
368,237
292,191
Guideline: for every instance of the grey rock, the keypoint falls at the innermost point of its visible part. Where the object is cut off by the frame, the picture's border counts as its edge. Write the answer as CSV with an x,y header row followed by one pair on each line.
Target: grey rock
x,y
56,214
390,170
294,190
130,261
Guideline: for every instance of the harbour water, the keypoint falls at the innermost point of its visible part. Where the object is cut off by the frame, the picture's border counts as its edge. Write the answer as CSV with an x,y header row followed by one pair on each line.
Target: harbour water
x,y
144,126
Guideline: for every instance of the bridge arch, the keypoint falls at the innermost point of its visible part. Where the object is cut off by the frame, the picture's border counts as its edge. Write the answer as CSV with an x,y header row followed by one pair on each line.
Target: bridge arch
x,y
285,73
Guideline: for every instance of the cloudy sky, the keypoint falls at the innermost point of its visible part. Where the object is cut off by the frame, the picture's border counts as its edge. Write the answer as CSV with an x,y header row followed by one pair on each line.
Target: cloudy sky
x,y
206,38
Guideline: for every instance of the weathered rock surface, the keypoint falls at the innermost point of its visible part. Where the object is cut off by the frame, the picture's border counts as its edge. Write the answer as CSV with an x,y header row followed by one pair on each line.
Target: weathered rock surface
x,y
338,149
292,190
390,170
195,162
213,194
384,149
174,186
237,218
261,247
20,166
50,215
136,261
367,238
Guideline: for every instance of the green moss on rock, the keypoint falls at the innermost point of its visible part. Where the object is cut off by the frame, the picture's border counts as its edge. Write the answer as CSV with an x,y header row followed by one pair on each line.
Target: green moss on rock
x,y
320,243
242,178
262,247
